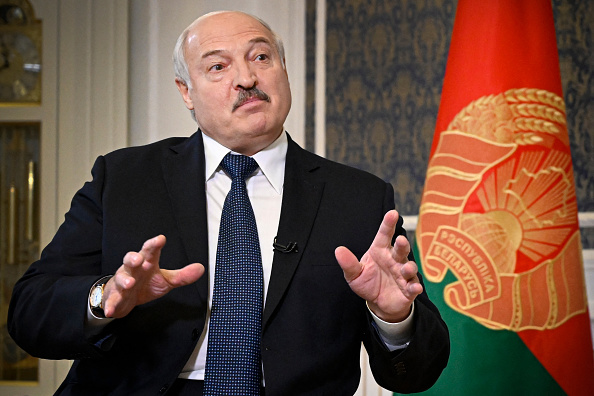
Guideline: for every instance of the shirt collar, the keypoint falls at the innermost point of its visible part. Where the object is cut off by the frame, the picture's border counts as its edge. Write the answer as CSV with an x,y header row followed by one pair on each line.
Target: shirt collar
x,y
271,159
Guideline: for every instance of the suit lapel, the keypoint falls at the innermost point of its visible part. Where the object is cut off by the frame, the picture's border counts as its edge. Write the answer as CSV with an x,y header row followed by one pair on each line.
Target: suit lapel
x,y
183,172
302,193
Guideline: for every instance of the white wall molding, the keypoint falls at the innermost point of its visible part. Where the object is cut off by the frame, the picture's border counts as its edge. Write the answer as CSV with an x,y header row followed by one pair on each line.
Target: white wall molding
x,y
92,92
320,80
586,219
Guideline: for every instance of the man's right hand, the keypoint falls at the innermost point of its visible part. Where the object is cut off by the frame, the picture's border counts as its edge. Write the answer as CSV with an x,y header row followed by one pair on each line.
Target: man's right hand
x,y
140,280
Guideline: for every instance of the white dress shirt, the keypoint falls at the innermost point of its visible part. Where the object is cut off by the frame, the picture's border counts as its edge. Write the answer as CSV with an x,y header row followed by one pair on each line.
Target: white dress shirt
x,y
265,190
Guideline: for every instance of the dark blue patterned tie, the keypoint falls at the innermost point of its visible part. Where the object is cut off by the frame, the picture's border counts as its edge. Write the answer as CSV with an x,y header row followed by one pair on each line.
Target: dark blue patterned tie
x,y
233,357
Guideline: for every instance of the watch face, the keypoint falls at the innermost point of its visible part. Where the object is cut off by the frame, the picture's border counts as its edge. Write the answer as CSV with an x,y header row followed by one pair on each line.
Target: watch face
x,y
20,67
96,296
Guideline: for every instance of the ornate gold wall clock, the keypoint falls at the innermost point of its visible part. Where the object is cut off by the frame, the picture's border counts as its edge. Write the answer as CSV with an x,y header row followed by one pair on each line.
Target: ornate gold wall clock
x,y
20,53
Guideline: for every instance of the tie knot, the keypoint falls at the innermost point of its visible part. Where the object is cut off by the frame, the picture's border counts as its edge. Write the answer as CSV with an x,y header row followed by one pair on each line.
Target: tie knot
x,y
239,165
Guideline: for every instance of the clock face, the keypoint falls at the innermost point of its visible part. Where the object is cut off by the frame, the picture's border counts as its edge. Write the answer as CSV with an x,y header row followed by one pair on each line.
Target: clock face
x,y
20,68
96,296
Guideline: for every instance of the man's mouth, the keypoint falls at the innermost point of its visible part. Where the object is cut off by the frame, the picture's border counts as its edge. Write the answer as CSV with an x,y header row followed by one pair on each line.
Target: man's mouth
x,y
249,95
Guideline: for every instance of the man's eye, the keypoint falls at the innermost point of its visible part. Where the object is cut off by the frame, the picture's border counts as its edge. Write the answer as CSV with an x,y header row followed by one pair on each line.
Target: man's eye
x,y
217,67
262,57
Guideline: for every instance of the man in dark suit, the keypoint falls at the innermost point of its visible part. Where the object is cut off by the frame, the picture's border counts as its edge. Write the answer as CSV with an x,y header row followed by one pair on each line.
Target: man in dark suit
x,y
331,279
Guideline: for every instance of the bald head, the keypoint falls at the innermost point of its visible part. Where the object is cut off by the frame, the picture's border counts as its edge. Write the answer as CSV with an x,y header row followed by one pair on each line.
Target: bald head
x,y
179,57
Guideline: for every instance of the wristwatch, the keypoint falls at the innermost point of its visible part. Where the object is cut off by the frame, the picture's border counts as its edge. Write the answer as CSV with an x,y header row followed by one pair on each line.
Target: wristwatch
x,y
96,297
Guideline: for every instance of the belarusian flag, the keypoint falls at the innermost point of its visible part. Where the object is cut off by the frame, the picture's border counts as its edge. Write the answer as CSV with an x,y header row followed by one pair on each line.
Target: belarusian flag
x,y
498,239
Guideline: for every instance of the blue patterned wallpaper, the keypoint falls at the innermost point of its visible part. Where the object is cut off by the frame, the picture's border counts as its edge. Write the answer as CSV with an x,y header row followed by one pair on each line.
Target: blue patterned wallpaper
x,y
385,63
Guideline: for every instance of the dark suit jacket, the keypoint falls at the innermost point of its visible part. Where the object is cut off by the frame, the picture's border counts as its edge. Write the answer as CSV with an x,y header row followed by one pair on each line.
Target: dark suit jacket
x,y
313,324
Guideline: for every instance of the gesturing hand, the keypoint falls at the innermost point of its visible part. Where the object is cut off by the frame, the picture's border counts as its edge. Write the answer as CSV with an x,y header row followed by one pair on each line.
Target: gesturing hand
x,y
384,276
140,280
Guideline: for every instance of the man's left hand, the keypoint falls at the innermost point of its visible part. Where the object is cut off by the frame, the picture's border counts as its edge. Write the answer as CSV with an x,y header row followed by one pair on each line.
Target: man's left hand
x,y
384,276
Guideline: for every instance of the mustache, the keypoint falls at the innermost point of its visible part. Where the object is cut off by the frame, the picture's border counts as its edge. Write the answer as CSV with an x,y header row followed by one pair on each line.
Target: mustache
x,y
247,94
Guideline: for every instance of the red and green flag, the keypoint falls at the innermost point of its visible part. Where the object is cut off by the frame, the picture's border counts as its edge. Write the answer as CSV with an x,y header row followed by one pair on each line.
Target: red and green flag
x,y
498,240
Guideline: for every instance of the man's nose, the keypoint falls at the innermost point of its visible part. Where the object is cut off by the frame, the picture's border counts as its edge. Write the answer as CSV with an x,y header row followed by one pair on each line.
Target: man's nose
x,y
244,77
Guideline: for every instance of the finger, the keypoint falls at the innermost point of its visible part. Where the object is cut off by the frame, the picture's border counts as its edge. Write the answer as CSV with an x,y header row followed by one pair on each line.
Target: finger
x,y
117,306
414,288
401,249
113,298
184,276
132,260
384,235
132,268
151,250
409,270
123,280
111,303
351,267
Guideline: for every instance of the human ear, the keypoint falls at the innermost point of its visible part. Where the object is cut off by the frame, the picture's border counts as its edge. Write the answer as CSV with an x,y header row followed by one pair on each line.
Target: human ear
x,y
184,90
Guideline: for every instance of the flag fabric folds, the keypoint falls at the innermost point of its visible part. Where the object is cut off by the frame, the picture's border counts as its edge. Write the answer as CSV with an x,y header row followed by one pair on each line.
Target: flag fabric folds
x,y
498,239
